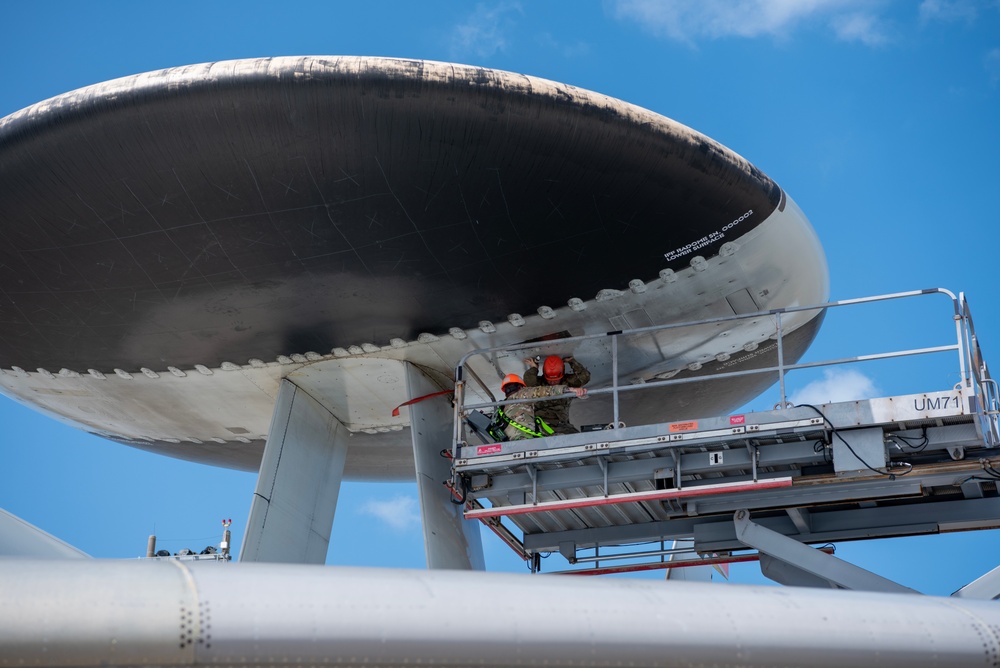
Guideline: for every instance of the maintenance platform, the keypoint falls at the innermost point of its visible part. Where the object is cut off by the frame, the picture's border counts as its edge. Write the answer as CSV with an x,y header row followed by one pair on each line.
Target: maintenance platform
x,y
760,485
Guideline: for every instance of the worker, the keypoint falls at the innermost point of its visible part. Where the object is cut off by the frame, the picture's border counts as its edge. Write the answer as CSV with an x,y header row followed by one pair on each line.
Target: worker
x,y
519,419
555,414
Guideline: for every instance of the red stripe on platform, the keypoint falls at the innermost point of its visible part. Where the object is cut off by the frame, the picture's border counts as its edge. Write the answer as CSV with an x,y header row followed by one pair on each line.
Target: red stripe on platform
x,y
635,497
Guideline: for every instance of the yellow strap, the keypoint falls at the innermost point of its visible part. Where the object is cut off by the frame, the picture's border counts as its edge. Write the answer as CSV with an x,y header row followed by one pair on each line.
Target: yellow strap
x,y
518,425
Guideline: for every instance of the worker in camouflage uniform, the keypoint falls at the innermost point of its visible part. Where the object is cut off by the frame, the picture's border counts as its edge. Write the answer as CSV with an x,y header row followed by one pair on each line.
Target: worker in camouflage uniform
x,y
556,413
519,419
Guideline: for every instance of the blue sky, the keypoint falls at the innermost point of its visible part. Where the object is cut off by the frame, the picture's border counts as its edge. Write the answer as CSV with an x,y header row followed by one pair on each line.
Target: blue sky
x,y
879,117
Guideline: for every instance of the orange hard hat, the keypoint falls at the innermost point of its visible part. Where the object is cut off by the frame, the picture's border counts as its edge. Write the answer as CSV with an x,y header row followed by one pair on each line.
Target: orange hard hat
x,y
510,379
553,367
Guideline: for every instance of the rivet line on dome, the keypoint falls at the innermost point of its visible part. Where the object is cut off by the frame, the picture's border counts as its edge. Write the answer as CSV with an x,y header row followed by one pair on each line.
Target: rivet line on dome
x,y
637,286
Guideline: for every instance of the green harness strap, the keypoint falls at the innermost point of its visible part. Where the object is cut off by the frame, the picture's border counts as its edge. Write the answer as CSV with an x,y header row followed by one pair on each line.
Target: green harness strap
x,y
544,426
546,430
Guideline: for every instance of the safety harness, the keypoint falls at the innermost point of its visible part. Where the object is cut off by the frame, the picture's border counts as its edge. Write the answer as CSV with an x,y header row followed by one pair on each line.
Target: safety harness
x,y
543,428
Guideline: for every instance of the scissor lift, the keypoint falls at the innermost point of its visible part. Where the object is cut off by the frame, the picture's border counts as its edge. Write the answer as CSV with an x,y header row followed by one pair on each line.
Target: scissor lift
x,y
754,485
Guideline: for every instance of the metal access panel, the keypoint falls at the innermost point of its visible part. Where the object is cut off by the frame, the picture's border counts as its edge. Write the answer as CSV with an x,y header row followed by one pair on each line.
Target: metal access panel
x,y
859,452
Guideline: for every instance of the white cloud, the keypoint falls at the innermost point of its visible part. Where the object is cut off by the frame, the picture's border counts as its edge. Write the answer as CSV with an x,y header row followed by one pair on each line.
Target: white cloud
x,y
836,385
687,20
400,512
484,32
859,27
948,10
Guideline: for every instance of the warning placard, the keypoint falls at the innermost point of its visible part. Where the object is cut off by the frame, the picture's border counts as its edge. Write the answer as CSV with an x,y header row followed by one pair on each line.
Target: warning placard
x,y
691,425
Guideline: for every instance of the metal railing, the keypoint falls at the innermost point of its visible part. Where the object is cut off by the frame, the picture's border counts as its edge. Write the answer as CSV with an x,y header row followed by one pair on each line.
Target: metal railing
x,y
974,376
988,392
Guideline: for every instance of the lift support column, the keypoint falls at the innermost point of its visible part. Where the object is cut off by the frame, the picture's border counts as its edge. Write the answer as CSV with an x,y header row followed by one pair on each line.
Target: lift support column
x,y
450,540
789,562
291,516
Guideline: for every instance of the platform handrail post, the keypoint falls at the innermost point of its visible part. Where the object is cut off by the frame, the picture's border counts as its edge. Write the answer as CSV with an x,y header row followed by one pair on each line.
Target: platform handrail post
x,y
456,447
781,360
984,387
614,377
964,342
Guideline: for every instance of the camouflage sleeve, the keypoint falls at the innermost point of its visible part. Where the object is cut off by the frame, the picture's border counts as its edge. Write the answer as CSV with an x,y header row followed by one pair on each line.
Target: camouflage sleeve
x,y
531,376
557,390
545,391
580,375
